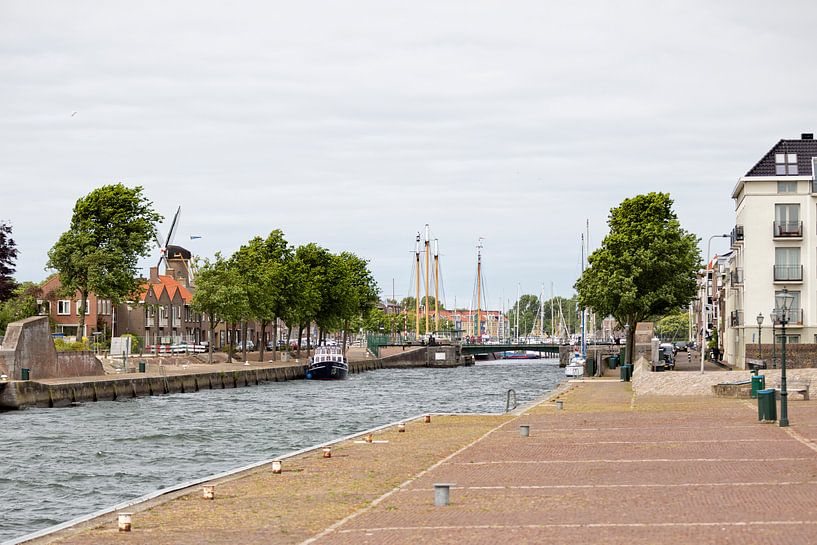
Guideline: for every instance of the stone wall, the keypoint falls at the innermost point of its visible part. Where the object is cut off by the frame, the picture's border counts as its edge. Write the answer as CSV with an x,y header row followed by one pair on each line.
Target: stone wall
x,y
798,356
28,344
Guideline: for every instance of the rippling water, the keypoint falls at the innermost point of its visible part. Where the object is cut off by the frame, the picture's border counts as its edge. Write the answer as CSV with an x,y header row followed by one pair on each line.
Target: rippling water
x,y
57,464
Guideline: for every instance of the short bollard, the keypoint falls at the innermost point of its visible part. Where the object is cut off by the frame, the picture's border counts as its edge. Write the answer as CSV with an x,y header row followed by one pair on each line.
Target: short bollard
x,y
560,404
524,430
442,494
369,438
427,419
401,427
276,466
125,522
327,452
208,492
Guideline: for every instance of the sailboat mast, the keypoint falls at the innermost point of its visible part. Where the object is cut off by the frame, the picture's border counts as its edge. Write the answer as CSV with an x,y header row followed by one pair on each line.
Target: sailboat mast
x,y
426,305
518,287
436,285
552,327
584,310
479,290
417,290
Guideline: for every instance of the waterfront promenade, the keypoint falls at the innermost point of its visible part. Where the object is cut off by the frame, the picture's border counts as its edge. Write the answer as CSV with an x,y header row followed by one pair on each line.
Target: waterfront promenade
x,y
609,468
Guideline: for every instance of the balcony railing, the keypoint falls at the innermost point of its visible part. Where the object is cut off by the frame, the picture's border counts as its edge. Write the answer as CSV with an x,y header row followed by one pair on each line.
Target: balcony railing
x,y
736,236
736,318
736,276
784,229
788,273
795,317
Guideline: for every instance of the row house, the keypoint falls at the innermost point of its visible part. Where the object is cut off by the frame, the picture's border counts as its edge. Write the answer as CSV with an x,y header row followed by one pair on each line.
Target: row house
x,y
774,246
163,314
63,311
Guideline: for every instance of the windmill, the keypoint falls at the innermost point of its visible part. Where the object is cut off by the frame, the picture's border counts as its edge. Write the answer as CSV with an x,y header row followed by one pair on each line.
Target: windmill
x,y
168,240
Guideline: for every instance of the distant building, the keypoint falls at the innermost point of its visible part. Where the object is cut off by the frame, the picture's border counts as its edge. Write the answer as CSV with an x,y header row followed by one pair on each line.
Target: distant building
x,y
63,311
774,245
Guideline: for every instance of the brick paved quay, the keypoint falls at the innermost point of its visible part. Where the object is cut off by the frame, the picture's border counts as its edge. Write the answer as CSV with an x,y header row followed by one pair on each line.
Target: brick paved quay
x,y
610,468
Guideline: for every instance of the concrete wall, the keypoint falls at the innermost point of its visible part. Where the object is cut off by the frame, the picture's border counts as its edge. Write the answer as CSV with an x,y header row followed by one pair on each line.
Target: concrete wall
x,y
28,344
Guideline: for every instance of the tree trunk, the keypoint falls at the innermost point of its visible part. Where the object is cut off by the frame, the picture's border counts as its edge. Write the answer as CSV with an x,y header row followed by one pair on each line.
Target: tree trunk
x,y
83,295
244,340
274,338
308,333
230,341
345,327
210,344
630,344
261,344
300,332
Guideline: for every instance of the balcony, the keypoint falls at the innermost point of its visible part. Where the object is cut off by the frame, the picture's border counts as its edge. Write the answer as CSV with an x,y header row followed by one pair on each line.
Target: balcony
x,y
736,277
788,229
795,317
736,318
788,273
736,236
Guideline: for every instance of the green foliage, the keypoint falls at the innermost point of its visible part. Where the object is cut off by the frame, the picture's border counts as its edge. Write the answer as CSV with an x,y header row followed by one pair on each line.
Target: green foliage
x,y
64,346
408,303
673,326
135,343
646,264
8,256
111,228
22,304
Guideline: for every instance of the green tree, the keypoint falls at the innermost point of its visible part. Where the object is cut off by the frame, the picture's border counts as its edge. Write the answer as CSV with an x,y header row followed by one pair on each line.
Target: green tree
x,y
262,265
673,326
305,274
645,265
8,256
111,228
358,290
528,311
216,291
22,304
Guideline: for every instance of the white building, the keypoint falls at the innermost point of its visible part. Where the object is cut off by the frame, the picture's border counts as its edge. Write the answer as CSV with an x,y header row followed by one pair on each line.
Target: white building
x,y
774,244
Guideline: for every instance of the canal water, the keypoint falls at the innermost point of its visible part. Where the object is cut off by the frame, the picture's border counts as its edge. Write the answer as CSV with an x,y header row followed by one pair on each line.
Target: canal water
x,y
57,464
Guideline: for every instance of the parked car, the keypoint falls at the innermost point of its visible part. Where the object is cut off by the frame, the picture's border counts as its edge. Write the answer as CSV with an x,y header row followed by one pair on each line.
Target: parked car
x,y
239,347
681,346
667,354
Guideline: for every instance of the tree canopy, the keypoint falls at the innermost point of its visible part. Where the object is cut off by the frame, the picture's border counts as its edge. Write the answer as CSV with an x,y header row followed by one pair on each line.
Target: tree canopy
x,y
645,265
8,257
110,229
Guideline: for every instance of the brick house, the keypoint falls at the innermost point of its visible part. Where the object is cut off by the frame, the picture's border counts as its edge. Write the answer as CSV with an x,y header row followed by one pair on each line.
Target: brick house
x,y
63,311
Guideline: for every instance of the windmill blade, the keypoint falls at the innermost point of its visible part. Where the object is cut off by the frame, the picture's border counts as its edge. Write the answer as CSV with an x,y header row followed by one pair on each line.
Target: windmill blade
x,y
173,225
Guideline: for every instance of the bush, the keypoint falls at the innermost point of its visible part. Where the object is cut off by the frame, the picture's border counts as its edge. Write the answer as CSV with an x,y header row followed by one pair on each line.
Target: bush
x,y
63,346
135,343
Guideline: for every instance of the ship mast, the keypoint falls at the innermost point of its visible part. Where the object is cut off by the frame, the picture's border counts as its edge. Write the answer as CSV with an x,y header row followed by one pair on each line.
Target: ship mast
x,y
436,286
417,282
426,303
479,289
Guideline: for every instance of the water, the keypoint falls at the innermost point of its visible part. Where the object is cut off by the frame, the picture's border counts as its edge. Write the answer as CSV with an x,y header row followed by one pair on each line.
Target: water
x,y
57,464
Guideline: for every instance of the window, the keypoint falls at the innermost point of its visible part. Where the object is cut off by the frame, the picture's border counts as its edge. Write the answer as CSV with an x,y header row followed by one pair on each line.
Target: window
x,y
790,339
178,312
787,264
787,187
103,307
87,308
785,164
787,220
63,307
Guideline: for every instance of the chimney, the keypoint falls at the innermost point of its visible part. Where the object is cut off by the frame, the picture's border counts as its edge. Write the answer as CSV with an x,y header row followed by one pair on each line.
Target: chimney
x,y
171,272
807,136
154,275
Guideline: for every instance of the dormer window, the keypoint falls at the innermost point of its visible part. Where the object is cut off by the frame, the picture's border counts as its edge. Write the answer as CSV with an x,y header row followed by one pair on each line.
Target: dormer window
x,y
785,164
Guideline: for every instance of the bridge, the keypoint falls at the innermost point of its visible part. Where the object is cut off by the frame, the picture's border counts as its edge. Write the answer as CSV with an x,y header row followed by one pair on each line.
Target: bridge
x,y
474,349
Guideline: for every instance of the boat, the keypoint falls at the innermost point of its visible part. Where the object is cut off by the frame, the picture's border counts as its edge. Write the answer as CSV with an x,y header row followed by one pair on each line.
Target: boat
x,y
519,355
328,363
575,368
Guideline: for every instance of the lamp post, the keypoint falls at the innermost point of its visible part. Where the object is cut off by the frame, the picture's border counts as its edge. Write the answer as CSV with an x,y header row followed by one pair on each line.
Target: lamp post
x,y
706,299
773,316
627,355
759,352
783,302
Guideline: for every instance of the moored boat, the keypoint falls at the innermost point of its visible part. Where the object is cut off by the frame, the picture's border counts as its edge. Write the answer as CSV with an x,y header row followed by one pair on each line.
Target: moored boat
x,y
575,368
328,363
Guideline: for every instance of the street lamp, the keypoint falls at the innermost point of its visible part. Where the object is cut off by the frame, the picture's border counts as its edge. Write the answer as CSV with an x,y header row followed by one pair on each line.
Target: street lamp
x,y
773,316
759,352
706,298
782,303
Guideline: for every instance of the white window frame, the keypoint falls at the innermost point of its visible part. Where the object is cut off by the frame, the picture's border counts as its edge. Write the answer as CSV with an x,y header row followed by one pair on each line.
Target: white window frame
x,y
61,304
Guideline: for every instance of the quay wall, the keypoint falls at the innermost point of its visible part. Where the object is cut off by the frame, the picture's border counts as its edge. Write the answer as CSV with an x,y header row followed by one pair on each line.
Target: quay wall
x,y
32,393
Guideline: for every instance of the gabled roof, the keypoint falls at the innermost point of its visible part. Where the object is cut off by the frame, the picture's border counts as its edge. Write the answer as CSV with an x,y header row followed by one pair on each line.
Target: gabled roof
x,y
169,285
805,150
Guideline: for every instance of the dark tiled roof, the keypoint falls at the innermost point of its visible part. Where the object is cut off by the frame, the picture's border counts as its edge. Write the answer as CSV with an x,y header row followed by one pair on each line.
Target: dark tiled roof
x,y
805,150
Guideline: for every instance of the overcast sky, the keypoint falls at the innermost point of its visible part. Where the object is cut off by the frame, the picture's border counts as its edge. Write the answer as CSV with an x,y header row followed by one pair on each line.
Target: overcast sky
x,y
352,124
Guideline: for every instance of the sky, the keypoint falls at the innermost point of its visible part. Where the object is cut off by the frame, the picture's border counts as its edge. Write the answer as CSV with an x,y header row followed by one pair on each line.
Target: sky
x,y
353,124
